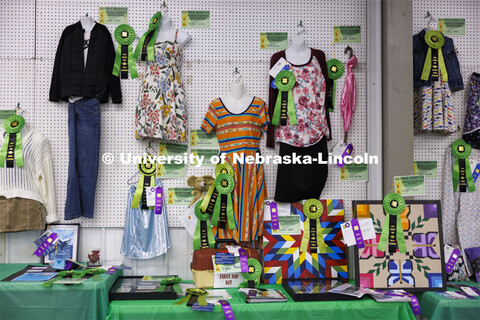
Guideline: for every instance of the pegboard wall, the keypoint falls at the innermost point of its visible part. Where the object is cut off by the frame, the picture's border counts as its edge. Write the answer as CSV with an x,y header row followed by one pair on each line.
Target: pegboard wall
x,y
208,62
433,146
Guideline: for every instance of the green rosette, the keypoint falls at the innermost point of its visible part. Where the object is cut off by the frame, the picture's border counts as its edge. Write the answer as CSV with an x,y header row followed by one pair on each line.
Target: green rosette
x,y
335,71
11,151
147,173
172,281
200,293
284,81
461,172
434,59
124,61
254,271
224,168
392,230
146,45
224,184
203,236
313,210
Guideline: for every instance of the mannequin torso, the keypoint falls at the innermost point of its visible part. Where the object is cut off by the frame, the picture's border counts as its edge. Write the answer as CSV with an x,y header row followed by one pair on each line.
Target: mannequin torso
x,y
237,101
298,53
166,31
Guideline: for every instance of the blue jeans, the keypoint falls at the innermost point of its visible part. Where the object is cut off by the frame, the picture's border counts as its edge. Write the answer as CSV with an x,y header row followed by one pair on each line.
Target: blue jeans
x,y
84,145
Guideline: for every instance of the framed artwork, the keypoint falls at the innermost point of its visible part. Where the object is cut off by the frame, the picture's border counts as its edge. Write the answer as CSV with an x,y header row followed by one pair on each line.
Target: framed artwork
x,y
67,245
421,267
282,254
314,290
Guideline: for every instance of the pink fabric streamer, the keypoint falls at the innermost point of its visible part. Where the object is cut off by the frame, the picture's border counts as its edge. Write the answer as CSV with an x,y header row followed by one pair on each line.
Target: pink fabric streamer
x,y
347,106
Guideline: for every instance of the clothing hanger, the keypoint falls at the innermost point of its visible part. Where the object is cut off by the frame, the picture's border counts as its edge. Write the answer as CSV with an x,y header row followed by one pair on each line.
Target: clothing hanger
x,y
300,28
347,49
237,76
132,180
164,8
430,20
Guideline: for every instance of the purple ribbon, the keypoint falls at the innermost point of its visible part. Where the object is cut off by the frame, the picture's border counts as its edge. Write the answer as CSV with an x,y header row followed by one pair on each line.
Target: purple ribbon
x,y
227,309
413,300
111,270
243,259
158,200
452,260
357,233
274,215
46,244
348,152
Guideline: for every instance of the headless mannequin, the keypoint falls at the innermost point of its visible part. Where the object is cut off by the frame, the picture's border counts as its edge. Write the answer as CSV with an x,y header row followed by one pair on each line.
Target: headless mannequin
x,y
237,101
87,24
298,53
166,31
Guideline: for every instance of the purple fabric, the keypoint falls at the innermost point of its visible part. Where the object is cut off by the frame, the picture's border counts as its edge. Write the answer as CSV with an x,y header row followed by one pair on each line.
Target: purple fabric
x,y
423,245
347,106
474,257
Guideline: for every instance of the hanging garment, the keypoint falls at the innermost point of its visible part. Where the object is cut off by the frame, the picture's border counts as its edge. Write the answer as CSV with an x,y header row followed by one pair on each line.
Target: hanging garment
x,y
347,105
471,128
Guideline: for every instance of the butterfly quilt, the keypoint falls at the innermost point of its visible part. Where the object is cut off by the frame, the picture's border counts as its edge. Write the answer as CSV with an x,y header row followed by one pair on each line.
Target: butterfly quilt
x,y
418,269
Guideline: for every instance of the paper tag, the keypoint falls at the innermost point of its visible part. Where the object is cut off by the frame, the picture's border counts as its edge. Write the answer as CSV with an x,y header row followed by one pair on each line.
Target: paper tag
x,y
288,225
274,214
281,63
224,258
366,227
150,194
233,249
473,292
342,150
207,308
452,258
158,200
227,268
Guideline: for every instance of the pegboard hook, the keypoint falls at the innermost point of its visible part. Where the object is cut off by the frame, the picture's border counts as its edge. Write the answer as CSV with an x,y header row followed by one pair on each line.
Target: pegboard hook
x,y
237,76
150,148
18,110
301,28
86,14
164,7
347,49
430,20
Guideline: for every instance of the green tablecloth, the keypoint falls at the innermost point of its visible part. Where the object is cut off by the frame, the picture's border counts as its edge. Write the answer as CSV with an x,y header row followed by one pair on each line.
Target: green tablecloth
x,y
365,308
434,306
29,300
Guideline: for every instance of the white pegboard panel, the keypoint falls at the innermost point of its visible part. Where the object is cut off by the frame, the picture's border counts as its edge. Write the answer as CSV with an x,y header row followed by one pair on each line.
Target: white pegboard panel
x,y
434,146
232,41
17,22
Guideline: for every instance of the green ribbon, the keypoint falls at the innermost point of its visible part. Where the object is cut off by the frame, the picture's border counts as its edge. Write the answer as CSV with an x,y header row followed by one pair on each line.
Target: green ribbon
x,y
17,151
137,196
462,150
11,151
224,184
225,168
229,212
254,271
207,197
152,27
335,71
312,209
435,41
125,35
393,204
194,292
203,218
170,281
284,81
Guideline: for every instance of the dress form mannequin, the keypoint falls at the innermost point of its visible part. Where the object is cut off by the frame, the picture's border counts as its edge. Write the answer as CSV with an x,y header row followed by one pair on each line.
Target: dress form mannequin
x,y
166,31
298,53
237,101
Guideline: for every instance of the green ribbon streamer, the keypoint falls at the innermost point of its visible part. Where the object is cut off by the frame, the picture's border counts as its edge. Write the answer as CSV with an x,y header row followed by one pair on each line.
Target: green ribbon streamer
x,y
207,198
197,243
290,108
382,244
150,46
49,283
201,300
183,300
17,151
229,213
176,288
468,173
137,196
306,237
334,93
427,66
118,59
132,67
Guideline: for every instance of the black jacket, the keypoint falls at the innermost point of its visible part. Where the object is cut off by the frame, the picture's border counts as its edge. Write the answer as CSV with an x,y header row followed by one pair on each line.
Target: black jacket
x,y
96,80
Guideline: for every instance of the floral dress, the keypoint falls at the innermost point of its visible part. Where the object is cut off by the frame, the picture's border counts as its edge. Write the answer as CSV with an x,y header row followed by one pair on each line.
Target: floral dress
x,y
161,110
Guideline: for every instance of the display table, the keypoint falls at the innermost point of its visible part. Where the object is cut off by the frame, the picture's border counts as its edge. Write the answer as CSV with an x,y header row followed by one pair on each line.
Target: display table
x,y
365,308
434,306
29,300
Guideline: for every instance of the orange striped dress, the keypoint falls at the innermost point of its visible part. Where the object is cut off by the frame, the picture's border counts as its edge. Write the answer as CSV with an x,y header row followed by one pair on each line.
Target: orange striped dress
x,y
241,134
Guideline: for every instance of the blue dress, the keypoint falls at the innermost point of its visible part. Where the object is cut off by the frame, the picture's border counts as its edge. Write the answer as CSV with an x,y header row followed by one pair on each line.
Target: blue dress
x,y
145,234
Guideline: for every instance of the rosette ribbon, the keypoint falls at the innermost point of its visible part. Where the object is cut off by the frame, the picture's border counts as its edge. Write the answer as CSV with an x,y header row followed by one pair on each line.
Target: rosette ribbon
x,y
194,295
252,277
434,59
11,151
312,229
96,272
124,62
170,284
147,179
284,81
223,211
335,71
203,236
146,45
392,231
461,168
208,202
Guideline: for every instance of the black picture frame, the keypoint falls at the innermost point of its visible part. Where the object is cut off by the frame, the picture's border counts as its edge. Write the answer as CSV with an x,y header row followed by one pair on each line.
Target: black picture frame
x,y
315,296
64,243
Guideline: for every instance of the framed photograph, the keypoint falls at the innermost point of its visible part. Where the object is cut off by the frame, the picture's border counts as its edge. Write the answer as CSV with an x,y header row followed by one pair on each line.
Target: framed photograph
x,y
421,267
67,245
